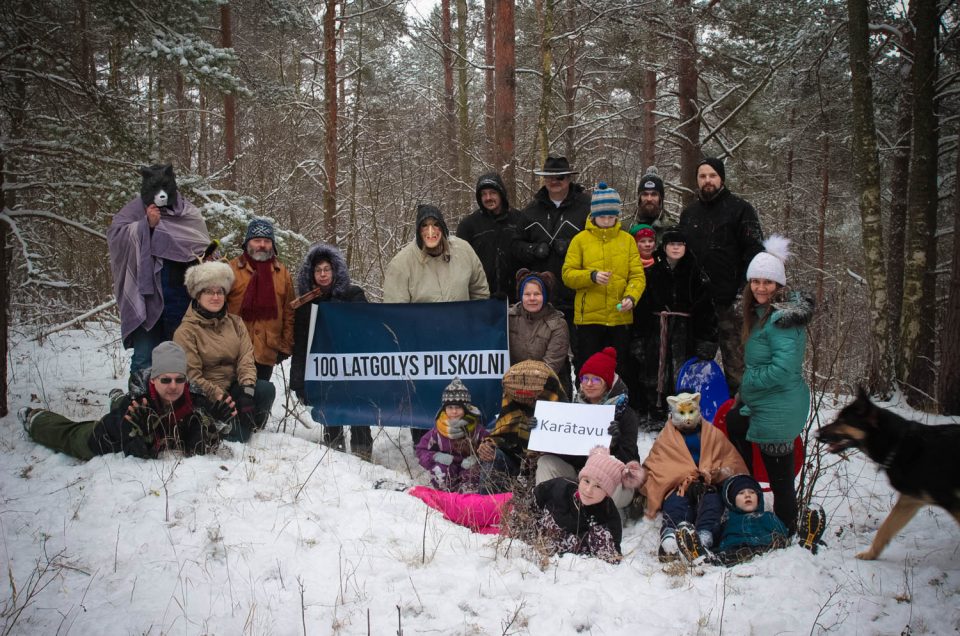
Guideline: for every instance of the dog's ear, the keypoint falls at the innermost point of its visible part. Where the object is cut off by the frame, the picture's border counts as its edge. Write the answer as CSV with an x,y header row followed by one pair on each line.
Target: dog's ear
x,y
864,409
862,393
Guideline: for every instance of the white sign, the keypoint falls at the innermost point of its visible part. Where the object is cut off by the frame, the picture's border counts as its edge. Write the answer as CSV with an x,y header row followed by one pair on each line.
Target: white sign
x,y
570,429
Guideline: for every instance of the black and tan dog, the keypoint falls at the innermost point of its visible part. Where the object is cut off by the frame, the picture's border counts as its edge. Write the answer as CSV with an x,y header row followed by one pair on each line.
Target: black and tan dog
x,y
922,462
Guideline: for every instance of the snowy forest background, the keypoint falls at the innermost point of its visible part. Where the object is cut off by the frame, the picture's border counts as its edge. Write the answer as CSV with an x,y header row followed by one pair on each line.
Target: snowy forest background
x,y
838,120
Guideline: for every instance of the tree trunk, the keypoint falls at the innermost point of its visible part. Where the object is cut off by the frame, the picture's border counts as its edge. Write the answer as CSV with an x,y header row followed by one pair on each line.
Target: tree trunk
x,y
866,168
330,132
900,188
449,107
822,216
687,78
463,101
183,131
948,390
544,11
918,327
355,139
648,151
788,207
570,84
506,86
489,102
229,104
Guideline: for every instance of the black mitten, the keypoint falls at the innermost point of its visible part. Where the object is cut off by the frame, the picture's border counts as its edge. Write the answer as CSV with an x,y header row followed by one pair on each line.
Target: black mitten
x,y
614,432
695,492
541,250
139,431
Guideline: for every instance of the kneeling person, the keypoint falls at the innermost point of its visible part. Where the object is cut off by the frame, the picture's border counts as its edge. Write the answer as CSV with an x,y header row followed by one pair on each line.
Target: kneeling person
x,y
160,413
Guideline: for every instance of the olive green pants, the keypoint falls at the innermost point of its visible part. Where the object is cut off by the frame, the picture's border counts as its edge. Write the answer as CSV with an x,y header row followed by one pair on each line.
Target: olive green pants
x,y
62,434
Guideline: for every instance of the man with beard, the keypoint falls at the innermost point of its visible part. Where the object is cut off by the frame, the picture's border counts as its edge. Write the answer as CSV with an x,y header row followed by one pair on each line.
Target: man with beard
x,y
650,195
261,296
723,232
489,230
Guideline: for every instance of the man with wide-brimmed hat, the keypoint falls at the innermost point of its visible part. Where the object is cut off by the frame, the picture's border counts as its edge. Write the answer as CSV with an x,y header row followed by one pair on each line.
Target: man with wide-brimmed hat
x,y
546,226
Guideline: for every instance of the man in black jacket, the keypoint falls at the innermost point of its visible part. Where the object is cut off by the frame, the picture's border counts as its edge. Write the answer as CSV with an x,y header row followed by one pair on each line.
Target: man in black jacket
x,y
489,230
546,226
723,232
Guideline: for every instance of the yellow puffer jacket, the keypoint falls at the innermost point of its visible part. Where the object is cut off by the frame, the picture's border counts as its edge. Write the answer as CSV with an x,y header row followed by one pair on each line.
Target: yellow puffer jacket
x,y
603,250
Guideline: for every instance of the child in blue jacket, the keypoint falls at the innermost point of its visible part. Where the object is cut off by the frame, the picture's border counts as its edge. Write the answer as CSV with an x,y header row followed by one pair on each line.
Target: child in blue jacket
x,y
749,529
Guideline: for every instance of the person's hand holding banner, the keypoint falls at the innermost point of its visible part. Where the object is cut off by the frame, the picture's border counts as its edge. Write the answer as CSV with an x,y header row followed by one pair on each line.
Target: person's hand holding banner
x,y
570,429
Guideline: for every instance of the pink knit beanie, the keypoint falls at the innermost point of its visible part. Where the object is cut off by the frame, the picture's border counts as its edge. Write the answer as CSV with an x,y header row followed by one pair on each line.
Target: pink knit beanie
x,y
606,470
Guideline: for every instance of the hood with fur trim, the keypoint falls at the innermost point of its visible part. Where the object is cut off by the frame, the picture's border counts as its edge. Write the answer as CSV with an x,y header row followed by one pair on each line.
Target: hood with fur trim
x,y
323,252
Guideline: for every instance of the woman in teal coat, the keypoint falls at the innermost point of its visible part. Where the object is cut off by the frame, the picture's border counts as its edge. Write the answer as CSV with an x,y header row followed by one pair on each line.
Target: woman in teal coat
x,y
774,398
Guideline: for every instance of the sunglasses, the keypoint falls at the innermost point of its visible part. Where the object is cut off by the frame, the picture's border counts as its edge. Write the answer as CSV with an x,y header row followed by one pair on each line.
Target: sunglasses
x,y
557,177
180,379
590,379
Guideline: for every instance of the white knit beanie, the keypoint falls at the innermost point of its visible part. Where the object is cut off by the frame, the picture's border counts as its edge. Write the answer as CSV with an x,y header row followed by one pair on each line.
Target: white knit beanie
x,y
769,263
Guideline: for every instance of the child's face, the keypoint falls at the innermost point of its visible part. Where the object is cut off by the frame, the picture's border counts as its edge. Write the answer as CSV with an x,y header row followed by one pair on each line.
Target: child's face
x,y
646,246
590,491
453,411
747,500
675,251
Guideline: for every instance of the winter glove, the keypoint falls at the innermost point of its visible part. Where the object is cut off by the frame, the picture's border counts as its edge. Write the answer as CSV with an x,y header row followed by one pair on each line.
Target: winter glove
x,y
468,462
443,458
529,424
456,429
614,432
541,251
706,350
139,430
222,413
695,492
561,246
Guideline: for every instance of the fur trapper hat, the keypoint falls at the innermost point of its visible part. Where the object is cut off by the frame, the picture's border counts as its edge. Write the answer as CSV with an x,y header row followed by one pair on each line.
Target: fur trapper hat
x,y
214,274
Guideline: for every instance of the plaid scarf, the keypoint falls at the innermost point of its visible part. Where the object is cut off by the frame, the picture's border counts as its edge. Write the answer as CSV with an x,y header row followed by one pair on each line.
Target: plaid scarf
x,y
259,301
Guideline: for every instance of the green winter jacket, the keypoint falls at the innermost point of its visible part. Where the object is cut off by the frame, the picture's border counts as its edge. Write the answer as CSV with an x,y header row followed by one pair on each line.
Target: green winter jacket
x,y
773,391
603,250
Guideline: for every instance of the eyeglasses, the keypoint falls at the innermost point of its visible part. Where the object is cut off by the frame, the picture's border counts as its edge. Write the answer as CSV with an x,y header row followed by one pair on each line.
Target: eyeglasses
x,y
167,379
557,177
214,292
590,379
322,270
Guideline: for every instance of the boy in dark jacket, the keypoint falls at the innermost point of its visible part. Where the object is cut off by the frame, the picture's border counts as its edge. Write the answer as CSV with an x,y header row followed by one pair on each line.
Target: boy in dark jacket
x,y
675,321
749,529
160,413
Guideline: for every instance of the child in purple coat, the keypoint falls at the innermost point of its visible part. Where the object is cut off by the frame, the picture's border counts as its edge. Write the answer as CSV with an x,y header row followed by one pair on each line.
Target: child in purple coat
x,y
448,451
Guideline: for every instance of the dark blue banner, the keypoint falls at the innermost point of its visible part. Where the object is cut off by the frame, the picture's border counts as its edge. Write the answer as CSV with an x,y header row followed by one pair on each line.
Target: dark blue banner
x,y
388,364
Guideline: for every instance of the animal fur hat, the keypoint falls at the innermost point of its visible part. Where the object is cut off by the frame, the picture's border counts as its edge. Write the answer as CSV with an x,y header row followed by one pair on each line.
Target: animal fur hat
x,y
214,274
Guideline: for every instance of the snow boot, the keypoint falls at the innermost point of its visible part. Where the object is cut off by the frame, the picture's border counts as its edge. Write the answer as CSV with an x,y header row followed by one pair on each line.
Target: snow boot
x,y
810,529
668,551
23,415
690,543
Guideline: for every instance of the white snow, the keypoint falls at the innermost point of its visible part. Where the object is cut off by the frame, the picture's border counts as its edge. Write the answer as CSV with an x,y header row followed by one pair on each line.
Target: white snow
x,y
286,537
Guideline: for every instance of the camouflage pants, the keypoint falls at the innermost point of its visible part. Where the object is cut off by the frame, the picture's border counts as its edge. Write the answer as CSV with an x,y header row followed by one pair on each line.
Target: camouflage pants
x,y
729,326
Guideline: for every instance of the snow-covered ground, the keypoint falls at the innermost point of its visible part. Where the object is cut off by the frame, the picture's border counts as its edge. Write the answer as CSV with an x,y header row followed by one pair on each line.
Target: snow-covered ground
x,y
282,536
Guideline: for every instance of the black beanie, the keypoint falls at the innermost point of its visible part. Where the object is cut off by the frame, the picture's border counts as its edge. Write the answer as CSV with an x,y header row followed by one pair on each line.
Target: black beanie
x,y
651,181
716,164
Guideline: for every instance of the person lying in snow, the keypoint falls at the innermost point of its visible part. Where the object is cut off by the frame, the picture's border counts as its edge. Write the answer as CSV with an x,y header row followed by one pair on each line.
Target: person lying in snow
x,y
161,412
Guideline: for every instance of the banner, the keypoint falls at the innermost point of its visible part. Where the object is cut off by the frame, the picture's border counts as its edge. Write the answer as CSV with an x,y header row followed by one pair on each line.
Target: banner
x,y
388,364
570,429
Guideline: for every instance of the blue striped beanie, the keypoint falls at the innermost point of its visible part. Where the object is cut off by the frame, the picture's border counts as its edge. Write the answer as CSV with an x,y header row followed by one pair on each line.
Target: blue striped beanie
x,y
605,201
